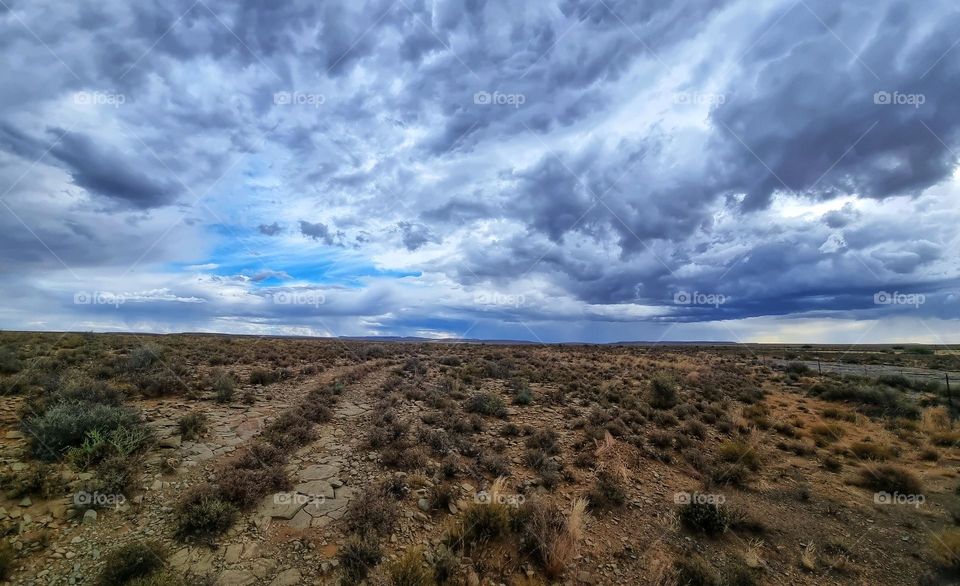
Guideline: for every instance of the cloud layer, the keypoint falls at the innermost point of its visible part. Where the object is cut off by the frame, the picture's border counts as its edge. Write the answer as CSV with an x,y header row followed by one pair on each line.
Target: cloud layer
x,y
571,170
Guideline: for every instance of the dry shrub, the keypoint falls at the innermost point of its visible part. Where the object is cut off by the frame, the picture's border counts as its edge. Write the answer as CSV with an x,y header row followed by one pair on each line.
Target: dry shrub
x,y
871,451
371,513
889,478
945,548
549,535
936,420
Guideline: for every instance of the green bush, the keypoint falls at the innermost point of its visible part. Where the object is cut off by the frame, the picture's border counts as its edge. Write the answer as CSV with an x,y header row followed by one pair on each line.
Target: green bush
x,y
223,386
708,518
486,404
663,392
68,425
203,514
144,357
193,425
137,559
9,363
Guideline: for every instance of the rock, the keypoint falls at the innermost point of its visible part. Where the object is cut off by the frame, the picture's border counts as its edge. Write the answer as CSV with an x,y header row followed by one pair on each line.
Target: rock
x,y
25,502
424,505
14,435
90,517
282,505
315,488
235,578
319,472
171,442
287,578
232,554
301,520
586,577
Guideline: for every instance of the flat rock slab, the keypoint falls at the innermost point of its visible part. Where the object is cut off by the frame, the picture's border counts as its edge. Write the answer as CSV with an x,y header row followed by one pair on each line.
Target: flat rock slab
x,y
287,578
329,507
349,410
282,505
319,472
315,488
235,578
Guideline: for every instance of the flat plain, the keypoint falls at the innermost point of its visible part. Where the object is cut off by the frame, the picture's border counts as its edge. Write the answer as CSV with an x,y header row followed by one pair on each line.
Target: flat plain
x,y
184,459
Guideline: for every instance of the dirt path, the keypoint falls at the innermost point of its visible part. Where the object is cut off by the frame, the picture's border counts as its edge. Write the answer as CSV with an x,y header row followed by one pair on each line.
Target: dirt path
x,y
254,551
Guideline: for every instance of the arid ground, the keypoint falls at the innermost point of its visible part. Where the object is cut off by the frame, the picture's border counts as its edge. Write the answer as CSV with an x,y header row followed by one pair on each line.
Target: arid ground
x,y
189,459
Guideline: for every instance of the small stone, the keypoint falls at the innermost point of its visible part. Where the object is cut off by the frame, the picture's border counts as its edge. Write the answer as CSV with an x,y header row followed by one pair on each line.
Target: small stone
x,y
26,502
424,505
90,517
287,578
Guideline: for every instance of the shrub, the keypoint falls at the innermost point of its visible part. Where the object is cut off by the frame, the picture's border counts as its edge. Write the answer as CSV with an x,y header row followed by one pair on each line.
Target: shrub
x,y
549,535
357,556
544,439
797,368
9,363
289,430
889,478
144,357
7,555
410,570
193,425
827,432
39,480
136,559
693,570
871,451
708,518
245,487
739,452
486,404
68,425
445,563
945,548
262,376
663,392
608,491
873,400
203,514
371,513
223,386
480,523
449,361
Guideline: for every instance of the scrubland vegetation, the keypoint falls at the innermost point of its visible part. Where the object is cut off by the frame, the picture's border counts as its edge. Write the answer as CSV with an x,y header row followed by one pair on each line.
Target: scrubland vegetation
x,y
450,464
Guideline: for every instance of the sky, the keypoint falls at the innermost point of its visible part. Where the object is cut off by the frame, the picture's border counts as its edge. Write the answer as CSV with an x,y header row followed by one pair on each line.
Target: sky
x,y
553,171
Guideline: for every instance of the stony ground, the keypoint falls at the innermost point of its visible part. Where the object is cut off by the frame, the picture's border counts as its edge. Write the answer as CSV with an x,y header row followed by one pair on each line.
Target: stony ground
x,y
293,537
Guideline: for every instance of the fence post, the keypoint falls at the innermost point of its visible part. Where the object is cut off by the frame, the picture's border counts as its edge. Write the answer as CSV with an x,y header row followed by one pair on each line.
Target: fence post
x,y
949,394
819,369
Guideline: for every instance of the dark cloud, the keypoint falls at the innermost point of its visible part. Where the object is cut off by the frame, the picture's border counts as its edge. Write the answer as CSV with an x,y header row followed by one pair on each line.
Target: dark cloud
x,y
270,229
